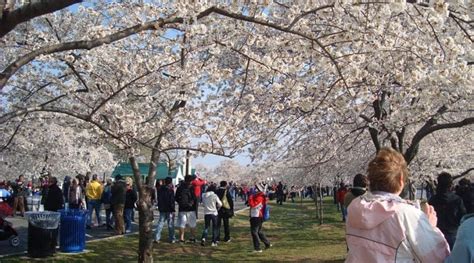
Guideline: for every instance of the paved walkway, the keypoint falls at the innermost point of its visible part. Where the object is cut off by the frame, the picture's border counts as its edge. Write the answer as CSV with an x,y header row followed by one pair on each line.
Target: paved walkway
x,y
96,233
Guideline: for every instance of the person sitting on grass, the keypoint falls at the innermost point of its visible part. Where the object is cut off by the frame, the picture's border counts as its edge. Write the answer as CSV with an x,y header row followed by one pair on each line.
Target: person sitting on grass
x,y
382,227
211,204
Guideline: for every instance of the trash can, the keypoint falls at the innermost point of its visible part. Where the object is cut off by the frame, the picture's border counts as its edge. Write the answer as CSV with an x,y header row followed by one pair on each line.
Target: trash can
x,y
42,233
72,233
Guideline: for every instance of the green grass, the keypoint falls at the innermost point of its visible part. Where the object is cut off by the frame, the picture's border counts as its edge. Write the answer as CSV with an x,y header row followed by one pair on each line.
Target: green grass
x,y
293,230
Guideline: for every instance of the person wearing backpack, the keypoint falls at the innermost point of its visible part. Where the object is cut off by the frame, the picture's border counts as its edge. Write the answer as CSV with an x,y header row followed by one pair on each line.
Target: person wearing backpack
x,y
226,211
257,203
187,203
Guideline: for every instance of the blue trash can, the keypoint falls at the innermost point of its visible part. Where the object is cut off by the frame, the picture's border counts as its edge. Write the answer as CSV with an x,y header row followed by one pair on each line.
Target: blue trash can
x,y
72,230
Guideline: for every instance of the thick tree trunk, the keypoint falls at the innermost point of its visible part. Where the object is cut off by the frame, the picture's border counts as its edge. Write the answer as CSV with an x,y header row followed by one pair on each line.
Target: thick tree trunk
x,y
145,225
145,216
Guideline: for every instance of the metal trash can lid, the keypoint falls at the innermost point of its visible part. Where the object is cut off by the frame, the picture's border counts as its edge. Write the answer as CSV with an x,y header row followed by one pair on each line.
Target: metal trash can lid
x,y
45,220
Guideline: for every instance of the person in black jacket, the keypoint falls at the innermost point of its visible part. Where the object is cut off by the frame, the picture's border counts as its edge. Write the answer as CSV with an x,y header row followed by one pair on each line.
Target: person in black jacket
x,y
225,212
187,203
130,200
165,198
449,208
117,200
54,199
466,191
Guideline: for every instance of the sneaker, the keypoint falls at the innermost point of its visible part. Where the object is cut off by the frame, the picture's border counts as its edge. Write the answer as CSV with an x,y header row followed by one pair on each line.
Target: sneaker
x,y
173,241
128,231
203,242
268,246
214,244
228,240
257,251
182,241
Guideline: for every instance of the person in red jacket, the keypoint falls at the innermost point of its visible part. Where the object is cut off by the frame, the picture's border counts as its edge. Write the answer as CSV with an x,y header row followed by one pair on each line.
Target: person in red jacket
x,y
257,203
197,184
341,193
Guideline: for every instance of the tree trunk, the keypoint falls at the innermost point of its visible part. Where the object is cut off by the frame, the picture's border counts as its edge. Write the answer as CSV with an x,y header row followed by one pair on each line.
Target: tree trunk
x,y
316,201
145,225
145,216
320,194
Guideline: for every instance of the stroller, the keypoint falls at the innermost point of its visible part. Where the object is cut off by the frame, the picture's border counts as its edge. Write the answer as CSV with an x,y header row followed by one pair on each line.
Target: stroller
x,y
7,232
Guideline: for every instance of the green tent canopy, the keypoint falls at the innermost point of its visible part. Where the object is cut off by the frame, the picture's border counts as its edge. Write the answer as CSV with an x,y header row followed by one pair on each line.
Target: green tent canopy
x,y
162,171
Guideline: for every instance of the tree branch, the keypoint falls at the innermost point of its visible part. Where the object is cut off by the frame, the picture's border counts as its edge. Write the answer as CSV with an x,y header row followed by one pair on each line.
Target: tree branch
x,y
29,11
429,127
463,173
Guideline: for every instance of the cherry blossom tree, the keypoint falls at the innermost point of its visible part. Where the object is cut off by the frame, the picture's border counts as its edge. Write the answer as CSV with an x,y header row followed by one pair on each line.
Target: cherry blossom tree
x,y
218,78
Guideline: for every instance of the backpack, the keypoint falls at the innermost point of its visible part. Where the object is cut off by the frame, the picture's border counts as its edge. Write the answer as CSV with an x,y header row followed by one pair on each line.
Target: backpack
x,y
266,212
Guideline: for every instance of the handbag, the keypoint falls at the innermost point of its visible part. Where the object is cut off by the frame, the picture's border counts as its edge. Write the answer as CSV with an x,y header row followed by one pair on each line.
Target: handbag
x,y
266,212
225,202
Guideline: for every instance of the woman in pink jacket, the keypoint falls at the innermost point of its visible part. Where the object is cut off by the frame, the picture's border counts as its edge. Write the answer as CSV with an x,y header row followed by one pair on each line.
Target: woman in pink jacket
x,y
382,227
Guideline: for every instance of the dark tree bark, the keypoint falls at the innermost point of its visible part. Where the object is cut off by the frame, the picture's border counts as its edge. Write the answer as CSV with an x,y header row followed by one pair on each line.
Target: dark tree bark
x,y
461,175
11,18
145,216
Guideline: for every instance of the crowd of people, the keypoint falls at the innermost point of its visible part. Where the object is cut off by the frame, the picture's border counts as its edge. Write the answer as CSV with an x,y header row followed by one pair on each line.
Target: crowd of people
x,y
380,225
118,198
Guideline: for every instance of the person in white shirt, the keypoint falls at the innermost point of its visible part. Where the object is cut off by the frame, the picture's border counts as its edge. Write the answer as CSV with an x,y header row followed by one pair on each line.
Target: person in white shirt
x,y
211,204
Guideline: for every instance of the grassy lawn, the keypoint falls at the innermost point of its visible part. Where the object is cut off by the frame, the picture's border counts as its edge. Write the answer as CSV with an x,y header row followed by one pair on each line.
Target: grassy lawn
x,y
293,230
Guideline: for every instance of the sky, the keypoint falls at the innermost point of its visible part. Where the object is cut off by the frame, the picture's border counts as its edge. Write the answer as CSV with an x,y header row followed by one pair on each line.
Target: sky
x,y
212,161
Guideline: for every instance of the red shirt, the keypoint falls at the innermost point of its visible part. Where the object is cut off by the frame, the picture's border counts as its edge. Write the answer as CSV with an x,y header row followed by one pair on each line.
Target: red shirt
x,y
197,184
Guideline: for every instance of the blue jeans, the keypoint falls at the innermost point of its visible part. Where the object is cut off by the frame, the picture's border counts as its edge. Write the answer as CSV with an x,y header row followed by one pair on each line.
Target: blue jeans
x,y
93,204
207,222
344,213
128,213
169,218
108,217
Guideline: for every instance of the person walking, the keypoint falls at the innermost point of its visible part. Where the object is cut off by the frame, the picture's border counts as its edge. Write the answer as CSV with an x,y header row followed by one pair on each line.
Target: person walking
x,y
449,208
118,203
130,200
465,190
359,188
93,193
54,200
225,212
257,203
211,204
187,202
341,193
106,200
198,184
166,206
19,195
279,193
75,196
382,227
66,187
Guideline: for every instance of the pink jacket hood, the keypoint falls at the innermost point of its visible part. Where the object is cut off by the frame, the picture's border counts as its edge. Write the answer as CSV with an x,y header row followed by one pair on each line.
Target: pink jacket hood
x,y
370,211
